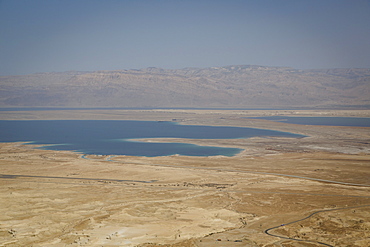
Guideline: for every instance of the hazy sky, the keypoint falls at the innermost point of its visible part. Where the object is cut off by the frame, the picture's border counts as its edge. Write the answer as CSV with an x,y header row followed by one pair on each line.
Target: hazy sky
x,y
61,35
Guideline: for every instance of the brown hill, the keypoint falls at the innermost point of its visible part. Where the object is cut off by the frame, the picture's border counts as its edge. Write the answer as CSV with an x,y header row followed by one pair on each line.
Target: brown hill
x,y
231,86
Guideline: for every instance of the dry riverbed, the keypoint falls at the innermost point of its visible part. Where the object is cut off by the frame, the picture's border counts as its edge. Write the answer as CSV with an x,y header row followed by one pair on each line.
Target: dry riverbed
x,y
60,198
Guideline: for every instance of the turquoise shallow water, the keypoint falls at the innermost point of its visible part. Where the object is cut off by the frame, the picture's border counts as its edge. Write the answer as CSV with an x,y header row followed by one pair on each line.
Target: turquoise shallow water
x,y
111,137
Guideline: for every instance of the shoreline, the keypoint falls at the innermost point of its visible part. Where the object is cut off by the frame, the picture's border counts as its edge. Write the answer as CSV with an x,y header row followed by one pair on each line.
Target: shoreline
x,y
192,201
177,195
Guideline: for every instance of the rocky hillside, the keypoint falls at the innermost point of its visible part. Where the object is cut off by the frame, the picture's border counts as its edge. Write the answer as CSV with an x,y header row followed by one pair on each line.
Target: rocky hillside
x,y
231,86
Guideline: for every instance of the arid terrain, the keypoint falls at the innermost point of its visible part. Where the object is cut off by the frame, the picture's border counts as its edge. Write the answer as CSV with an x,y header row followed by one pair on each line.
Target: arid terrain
x,y
311,191
238,86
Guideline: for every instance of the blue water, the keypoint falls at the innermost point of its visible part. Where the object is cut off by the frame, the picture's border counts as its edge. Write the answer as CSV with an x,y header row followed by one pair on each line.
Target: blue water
x,y
328,121
111,137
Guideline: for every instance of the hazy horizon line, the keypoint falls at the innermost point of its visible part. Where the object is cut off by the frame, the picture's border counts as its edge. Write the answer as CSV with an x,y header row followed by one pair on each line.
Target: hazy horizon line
x,y
183,68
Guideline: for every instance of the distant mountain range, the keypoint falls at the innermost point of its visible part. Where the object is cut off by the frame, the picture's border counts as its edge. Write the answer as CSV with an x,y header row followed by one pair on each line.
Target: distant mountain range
x,y
242,86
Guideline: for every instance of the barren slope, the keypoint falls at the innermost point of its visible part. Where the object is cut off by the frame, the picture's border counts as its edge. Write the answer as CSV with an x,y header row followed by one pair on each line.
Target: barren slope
x,y
231,86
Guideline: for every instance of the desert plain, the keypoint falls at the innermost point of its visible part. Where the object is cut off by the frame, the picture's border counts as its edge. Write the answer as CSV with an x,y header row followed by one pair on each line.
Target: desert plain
x,y
311,191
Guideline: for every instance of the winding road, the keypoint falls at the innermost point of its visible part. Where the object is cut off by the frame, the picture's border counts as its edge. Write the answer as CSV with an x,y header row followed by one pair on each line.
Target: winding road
x,y
267,231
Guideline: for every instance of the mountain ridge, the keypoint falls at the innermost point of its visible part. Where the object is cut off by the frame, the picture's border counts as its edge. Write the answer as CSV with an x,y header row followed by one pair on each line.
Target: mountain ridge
x,y
229,86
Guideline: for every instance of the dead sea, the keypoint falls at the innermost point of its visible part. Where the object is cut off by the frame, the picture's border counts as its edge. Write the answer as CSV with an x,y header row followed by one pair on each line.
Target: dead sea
x,y
113,137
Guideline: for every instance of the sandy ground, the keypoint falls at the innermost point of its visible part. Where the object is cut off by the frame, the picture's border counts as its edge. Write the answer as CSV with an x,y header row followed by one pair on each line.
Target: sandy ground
x,y
59,198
